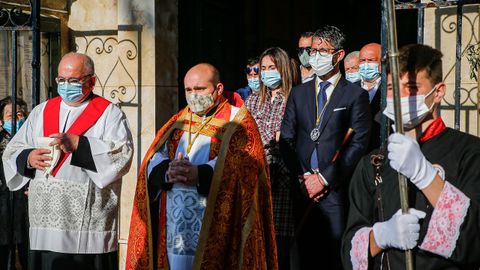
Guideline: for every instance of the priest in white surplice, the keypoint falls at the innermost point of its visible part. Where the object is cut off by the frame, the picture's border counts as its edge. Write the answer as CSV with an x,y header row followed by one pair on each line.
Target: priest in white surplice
x,y
73,210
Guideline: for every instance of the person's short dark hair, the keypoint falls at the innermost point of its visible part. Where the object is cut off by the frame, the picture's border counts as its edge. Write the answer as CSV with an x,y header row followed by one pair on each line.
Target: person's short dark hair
x,y
307,34
414,58
252,61
216,74
331,34
8,100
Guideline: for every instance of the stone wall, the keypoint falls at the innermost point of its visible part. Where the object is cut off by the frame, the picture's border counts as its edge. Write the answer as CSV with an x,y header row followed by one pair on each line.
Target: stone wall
x,y
440,32
134,46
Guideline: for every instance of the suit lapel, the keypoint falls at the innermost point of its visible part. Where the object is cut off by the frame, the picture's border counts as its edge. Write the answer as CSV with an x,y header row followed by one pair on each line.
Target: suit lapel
x,y
375,104
332,104
310,102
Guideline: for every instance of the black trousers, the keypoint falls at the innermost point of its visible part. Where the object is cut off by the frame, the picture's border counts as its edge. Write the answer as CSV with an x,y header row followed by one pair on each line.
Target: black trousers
x,y
319,241
8,256
287,252
48,260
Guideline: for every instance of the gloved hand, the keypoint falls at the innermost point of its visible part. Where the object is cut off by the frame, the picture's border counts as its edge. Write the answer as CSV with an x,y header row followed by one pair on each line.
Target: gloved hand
x,y
401,231
407,158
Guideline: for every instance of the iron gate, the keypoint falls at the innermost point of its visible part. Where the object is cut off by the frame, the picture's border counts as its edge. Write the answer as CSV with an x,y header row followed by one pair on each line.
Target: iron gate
x,y
17,19
462,101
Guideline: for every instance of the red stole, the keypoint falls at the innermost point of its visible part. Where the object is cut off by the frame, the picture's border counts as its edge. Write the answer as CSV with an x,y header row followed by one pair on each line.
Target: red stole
x,y
435,128
86,120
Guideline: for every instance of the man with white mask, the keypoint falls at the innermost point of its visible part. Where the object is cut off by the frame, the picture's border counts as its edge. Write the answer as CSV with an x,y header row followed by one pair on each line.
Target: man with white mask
x,y
317,119
441,165
350,64
370,68
203,197
73,203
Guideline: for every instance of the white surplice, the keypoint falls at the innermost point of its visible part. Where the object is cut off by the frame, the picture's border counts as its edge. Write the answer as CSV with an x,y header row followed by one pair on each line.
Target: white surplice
x,y
77,210
185,207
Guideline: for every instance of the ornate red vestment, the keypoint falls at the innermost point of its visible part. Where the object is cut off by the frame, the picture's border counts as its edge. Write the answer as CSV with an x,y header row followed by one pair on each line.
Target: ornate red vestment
x,y
237,230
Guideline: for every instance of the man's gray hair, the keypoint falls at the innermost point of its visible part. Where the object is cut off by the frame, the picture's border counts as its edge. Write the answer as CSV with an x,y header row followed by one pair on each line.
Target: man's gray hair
x,y
88,65
352,55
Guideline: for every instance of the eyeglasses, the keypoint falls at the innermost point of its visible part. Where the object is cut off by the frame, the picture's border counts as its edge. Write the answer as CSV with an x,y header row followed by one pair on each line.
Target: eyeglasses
x,y
20,114
248,70
300,50
322,51
73,80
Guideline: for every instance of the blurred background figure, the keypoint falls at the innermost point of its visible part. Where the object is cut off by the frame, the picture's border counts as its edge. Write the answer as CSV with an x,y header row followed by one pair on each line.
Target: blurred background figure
x,y
13,205
295,68
303,50
351,67
370,69
267,107
252,71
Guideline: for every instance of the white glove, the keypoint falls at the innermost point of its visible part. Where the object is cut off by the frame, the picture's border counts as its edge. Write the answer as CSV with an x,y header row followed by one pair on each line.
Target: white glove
x,y
407,158
401,231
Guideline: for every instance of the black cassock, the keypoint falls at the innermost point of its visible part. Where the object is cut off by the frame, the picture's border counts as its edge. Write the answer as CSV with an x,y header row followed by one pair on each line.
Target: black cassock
x,y
451,235
39,259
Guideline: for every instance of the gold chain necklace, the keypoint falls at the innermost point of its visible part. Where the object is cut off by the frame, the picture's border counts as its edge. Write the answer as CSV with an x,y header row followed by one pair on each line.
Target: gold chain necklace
x,y
204,123
317,92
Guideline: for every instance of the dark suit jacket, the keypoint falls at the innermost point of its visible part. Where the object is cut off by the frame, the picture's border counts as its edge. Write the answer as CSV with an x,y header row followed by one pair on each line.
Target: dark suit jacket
x,y
244,92
348,107
375,131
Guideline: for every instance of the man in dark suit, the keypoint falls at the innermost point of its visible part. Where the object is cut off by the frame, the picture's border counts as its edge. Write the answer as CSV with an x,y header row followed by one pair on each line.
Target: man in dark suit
x,y
370,70
317,119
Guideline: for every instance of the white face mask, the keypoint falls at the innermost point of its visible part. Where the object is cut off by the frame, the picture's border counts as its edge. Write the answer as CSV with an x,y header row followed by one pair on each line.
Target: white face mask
x,y
322,65
414,109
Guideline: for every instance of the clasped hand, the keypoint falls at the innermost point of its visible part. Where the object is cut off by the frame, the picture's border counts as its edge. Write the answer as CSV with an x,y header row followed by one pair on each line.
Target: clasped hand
x,y
313,186
182,171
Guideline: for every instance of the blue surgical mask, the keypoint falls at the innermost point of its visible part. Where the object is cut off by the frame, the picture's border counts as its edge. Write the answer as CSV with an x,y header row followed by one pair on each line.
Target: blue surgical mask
x,y
7,125
353,77
254,84
70,93
369,71
271,78
304,59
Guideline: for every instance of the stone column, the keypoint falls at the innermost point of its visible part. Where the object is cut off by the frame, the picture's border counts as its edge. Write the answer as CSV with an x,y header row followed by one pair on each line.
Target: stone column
x,y
135,48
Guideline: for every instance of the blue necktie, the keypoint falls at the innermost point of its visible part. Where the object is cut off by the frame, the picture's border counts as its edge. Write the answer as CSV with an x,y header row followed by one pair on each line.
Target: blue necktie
x,y
322,95
322,99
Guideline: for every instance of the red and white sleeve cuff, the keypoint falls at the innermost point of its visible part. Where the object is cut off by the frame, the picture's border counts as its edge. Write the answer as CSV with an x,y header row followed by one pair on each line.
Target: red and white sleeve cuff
x,y
444,226
359,252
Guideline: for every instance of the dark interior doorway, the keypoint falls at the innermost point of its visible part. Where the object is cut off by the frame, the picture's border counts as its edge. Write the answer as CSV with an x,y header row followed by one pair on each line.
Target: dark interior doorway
x,y
226,33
